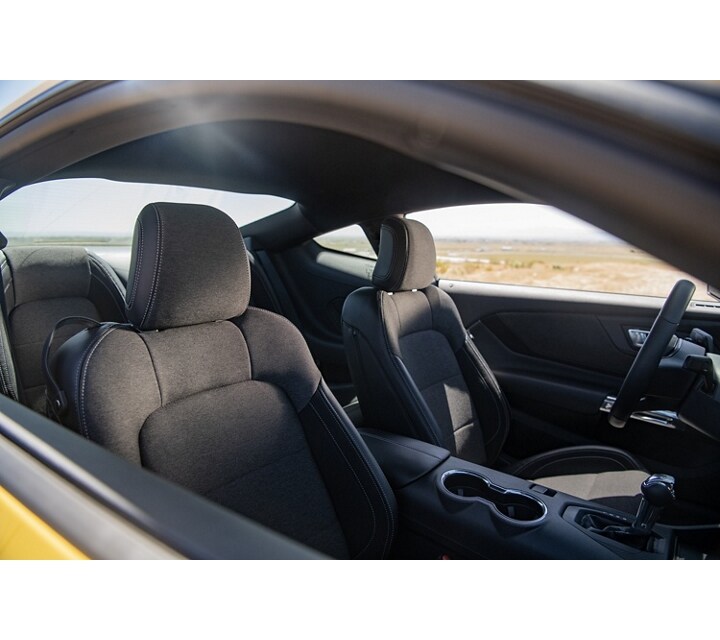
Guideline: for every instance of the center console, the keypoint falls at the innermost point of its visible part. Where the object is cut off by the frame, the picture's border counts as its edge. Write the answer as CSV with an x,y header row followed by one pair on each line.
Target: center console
x,y
451,508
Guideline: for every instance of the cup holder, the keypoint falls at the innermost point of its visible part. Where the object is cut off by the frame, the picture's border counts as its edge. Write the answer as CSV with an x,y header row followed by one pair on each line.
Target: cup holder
x,y
511,505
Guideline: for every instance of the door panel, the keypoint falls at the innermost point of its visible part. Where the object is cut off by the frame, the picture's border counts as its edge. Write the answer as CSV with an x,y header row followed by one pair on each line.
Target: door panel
x,y
557,354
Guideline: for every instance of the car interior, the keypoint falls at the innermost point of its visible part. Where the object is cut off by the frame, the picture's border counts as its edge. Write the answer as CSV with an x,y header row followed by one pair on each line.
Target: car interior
x,y
364,407
419,373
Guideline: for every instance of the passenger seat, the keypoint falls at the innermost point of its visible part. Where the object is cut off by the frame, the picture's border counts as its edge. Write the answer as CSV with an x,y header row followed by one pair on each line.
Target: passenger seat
x,y
42,285
221,397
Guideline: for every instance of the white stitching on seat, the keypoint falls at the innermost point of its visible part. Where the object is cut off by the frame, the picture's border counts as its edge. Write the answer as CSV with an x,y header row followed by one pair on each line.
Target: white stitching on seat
x,y
401,374
248,279
158,262
82,378
4,364
129,303
112,276
358,451
500,408
347,462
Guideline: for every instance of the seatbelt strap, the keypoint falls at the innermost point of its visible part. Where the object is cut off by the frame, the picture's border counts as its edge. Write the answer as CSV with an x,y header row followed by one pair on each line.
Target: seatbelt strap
x,y
8,378
55,397
3,303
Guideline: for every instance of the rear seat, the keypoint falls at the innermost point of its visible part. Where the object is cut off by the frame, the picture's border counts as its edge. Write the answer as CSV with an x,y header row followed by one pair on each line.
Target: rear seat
x,y
42,285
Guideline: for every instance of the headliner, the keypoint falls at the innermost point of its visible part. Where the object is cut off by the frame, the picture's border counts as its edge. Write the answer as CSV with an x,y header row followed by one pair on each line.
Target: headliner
x,y
337,179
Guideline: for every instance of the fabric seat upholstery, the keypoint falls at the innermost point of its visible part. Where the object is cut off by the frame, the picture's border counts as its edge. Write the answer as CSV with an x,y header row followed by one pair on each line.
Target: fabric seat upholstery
x,y
417,372
223,398
41,286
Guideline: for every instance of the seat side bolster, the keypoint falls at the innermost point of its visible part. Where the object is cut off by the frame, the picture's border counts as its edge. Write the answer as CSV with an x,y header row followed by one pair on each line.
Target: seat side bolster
x,y
491,407
363,499
490,403
109,381
8,372
8,284
8,376
388,397
279,354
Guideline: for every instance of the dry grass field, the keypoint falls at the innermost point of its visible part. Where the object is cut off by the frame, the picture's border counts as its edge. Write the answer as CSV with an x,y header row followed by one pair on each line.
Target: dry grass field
x,y
607,267
610,267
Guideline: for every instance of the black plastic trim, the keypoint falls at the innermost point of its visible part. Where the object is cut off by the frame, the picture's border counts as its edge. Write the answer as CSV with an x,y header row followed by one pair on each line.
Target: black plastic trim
x,y
403,460
89,526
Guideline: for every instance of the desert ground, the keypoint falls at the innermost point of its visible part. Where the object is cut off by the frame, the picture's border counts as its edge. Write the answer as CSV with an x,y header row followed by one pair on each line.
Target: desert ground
x,y
610,267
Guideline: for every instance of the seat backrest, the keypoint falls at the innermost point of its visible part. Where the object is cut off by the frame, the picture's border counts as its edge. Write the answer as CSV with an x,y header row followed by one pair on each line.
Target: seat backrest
x,y
220,397
41,286
415,368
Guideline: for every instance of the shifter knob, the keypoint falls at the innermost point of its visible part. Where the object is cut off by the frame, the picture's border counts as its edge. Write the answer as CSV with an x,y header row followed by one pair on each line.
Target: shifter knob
x,y
658,492
659,489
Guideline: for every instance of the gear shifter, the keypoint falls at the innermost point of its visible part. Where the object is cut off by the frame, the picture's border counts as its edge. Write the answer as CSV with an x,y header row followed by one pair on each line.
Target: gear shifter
x,y
658,492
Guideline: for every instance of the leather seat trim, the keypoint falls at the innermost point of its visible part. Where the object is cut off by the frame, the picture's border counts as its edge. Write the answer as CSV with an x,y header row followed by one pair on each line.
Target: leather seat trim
x,y
110,282
421,409
488,380
359,451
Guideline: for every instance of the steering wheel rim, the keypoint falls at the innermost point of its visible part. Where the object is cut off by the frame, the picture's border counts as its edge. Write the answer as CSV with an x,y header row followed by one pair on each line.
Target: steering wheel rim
x,y
648,358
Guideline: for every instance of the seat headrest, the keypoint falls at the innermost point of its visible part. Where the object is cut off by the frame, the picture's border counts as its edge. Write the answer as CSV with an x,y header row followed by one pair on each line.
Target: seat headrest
x,y
188,266
406,259
40,273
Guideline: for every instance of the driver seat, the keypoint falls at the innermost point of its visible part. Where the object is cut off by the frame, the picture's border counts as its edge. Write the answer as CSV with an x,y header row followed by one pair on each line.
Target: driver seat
x,y
417,372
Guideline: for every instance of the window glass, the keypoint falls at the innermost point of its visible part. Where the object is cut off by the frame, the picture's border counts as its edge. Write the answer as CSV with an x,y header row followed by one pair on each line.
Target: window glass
x,y
102,212
348,240
537,245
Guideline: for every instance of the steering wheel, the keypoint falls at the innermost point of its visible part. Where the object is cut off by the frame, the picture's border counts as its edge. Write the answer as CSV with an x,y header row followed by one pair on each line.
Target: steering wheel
x,y
648,358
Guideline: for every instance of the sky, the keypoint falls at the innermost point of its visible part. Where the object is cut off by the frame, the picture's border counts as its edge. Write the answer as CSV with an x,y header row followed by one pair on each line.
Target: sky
x,y
510,222
73,207
507,222
11,90
107,208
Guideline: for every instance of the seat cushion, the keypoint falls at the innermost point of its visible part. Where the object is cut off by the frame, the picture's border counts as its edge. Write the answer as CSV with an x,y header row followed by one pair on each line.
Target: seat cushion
x,y
616,489
606,475
575,460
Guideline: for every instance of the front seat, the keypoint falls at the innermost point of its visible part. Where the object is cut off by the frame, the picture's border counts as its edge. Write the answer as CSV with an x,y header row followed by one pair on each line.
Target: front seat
x,y
220,397
417,372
